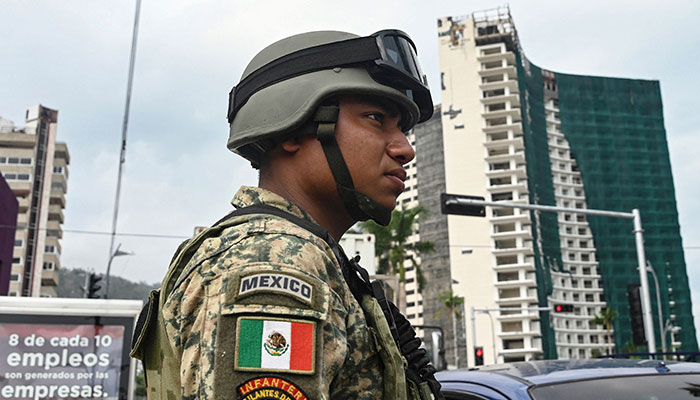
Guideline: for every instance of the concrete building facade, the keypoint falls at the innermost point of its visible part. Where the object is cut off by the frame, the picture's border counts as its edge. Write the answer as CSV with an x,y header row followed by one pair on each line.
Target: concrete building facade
x,y
511,131
35,166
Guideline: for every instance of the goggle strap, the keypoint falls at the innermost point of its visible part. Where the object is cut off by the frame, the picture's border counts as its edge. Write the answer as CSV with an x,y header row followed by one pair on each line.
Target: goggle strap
x,y
312,59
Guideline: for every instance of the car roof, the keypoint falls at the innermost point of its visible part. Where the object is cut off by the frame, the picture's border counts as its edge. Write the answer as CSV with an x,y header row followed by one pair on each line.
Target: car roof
x,y
552,371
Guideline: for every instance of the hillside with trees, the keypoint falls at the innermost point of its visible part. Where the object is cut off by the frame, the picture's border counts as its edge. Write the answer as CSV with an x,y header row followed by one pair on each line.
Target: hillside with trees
x,y
72,283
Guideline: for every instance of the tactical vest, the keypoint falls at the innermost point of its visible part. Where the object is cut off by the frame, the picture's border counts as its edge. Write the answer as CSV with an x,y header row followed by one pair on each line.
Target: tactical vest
x,y
162,366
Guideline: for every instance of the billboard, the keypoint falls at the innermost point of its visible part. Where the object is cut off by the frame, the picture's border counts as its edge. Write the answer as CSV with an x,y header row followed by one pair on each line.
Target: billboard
x,y
65,356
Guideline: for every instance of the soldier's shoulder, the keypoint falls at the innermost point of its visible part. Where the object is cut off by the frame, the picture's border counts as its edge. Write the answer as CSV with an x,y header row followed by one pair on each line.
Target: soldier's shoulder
x,y
255,240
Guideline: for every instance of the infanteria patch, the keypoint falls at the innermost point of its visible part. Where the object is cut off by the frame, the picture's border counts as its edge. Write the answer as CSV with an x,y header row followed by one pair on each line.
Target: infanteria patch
x,y
270,387
279,283
275,345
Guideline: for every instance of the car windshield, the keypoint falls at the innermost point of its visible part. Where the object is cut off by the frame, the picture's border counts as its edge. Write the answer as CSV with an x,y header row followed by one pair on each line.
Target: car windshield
x,y
656,387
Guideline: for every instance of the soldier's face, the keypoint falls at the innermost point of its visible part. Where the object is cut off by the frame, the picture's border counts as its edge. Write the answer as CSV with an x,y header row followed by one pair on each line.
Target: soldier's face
x,y
374,147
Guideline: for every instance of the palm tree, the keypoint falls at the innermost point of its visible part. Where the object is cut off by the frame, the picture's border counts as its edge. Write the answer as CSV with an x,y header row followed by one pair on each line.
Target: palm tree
x,y
451,304
393,250
605,318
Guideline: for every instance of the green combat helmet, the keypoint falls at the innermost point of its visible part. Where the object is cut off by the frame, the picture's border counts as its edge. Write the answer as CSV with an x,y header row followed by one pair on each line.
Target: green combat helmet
x,y
286,88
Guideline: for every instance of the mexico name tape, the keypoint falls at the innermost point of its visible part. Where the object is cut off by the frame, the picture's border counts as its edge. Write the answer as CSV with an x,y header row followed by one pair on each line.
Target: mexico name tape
x,y
270,387
276,282
280,345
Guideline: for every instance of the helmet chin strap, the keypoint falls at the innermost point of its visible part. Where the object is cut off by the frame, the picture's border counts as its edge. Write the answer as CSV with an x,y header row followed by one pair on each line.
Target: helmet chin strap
x,y
360,206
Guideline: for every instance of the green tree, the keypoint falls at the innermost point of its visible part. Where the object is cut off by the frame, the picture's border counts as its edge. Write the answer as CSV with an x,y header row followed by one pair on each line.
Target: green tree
x,y
606,318
452,304
393,249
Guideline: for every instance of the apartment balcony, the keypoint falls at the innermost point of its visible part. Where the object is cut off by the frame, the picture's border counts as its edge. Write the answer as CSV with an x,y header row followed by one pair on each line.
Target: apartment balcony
x,y
493,141
49,278
23,204
520,352
509,56
518,335
17,140
58,196
514,113
53,229
515,284
520,187
519,316
521,233
514,267
48,291
518,157
512,98
508,69
59,178
20,187
515,127
530,298
519,172
56,213
523,217
555,145
511,84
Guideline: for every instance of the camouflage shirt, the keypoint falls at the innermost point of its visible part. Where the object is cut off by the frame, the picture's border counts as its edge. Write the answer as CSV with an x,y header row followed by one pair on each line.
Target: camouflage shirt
x,y
235,315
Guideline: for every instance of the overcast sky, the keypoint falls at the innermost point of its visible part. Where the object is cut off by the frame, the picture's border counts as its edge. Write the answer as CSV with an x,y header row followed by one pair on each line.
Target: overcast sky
x,y
73,56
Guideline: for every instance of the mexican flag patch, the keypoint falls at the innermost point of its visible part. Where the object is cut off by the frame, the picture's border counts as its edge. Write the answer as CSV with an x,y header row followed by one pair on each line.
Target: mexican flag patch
x,y
271,344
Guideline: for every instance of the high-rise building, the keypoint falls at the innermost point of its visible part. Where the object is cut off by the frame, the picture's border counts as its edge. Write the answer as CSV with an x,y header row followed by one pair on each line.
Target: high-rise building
x,y
36,168
511,131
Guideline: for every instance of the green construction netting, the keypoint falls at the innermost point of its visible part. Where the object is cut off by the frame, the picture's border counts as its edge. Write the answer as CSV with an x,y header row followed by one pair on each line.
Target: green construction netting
x,y
616,132
541,191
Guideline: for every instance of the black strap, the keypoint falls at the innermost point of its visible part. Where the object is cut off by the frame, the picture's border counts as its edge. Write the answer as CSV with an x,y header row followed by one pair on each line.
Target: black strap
x,y
317,58
356,277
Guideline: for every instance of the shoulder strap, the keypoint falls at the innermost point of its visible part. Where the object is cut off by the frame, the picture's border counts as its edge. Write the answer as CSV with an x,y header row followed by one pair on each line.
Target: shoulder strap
x,y
356,277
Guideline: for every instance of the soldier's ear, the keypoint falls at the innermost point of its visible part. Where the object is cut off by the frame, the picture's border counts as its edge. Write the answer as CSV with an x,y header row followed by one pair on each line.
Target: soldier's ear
x,y
291,145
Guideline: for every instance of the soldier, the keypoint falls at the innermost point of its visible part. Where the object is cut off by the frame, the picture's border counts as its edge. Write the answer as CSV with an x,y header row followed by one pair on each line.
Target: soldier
x,y
265,304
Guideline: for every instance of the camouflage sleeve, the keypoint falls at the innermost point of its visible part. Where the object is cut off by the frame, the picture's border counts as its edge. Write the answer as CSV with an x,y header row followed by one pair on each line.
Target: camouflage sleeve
x,y
248,327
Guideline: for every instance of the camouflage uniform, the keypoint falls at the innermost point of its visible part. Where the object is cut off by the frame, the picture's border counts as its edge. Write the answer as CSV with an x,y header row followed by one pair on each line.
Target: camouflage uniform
x,y
201,314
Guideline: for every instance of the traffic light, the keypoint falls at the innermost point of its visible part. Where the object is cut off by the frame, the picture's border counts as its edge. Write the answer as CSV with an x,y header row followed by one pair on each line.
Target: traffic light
x,y
635,303
93,286
478,356
563,308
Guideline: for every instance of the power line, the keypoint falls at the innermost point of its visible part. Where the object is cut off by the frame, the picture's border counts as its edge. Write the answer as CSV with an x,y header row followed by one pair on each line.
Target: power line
x,y
88,232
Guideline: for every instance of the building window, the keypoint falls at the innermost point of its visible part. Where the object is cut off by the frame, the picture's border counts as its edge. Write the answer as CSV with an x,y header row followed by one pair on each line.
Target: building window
x,y
57,170
19,243
17,177
50,249
17,260
14,294
15,278
49,265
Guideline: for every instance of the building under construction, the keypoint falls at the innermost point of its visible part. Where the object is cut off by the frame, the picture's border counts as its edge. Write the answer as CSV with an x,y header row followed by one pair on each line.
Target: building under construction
x,y
509,130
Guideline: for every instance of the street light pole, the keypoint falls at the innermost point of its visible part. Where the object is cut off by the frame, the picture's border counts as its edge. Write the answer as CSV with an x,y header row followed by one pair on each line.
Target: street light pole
x,y
116,253
639,243
664,348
